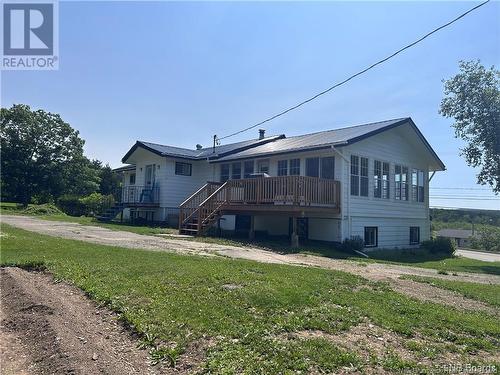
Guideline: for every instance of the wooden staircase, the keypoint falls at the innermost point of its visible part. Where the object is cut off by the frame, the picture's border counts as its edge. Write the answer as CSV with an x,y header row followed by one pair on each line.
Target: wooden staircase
x,y
198,213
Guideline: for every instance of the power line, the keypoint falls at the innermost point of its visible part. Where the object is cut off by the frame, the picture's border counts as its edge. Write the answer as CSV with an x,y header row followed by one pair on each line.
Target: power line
x,y
458,188
355,75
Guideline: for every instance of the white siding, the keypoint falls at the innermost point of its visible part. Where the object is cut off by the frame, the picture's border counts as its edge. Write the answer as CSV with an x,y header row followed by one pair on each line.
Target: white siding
x,y
394,217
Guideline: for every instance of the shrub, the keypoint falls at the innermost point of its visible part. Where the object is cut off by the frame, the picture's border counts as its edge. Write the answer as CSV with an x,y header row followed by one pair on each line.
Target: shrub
x,y
71,205
488,239
350,245
96,203
439,245
43,209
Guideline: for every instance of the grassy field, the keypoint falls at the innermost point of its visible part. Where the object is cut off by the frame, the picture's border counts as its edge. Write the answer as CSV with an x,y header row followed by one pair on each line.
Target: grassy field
x,y
413,257
248,310
489,294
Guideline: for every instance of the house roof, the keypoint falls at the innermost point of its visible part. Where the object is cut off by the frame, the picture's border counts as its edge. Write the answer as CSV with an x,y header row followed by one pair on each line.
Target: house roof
x,y
203,153
282,144
129,167
455,233
326,139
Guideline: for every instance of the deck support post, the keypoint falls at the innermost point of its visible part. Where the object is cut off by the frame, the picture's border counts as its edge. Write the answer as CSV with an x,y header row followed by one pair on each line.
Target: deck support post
x,y
251,232
294,236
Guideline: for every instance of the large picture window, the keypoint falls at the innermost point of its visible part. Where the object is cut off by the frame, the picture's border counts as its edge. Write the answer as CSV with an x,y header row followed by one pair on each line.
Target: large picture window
x,y
371,236
183,169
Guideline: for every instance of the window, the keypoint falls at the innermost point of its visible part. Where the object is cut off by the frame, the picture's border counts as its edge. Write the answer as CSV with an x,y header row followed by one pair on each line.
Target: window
x,y
236,171
312,167
363,187
377,179
385,181
421,189
263,166
371,236
183,169
294,167
282,167
354,175
224,172
414,235
328,167
401,182
414,185
131,179
247,169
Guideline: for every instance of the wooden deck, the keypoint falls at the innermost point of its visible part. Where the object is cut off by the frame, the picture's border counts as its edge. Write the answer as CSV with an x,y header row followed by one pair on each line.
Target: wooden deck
x,y
285,195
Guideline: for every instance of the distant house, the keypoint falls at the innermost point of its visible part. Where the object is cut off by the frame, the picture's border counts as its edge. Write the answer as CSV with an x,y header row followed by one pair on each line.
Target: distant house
x,y
462,237
369,181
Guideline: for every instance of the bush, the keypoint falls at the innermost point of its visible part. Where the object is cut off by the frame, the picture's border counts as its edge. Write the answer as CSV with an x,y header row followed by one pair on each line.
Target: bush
x,y
71,205
439,245
43,209
488,238
353,244
96,203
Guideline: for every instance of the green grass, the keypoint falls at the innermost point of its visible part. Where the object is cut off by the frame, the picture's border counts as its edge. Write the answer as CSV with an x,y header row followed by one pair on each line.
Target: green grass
x,y
173,300
409,257
488,293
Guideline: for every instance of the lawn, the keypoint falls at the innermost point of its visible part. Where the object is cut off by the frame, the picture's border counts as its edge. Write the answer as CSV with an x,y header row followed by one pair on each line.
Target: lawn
x,y
489,294
410,257
248,309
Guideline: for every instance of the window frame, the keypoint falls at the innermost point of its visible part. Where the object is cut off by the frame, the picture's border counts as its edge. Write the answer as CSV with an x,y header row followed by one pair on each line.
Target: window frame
x,y
366,229
178,171
386,182
235,176
377,179
228,174
246,170
294,168
322,170
283,167
354,175
130,178
364,179
412,240
309,161
401,182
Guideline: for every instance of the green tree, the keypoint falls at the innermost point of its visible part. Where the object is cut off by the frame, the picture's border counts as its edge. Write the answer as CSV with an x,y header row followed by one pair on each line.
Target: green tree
x,y
110,181
42,156
472,99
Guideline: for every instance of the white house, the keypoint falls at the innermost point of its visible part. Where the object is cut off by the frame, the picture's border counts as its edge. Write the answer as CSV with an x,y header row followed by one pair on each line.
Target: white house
x,y
369,180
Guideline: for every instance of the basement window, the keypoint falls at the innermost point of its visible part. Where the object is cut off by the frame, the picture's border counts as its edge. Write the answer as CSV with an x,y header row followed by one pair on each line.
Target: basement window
x,y
371,236
414,235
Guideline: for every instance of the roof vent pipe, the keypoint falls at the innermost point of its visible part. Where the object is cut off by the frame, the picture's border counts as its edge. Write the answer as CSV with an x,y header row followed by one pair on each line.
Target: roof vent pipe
x,y
262,133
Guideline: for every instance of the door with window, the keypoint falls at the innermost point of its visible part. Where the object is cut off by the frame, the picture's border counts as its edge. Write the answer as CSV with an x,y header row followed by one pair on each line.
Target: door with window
x,y
149,180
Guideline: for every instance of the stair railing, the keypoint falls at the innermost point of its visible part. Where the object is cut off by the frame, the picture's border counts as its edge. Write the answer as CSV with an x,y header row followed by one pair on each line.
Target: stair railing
x,y
207,212
190,206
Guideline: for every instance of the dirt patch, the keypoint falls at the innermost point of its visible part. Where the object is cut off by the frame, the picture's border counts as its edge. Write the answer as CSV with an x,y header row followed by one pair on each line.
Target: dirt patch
x,y
49,327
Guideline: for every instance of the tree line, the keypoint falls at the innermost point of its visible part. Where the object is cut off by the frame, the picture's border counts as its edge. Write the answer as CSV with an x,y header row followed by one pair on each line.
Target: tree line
x,y
43,160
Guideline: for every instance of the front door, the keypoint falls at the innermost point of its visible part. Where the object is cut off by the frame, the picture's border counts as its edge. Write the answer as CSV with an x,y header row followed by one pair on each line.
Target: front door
x,y
150,175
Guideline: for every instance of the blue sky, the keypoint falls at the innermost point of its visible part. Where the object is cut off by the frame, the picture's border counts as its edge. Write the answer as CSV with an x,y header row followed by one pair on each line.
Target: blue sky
x,y
177,73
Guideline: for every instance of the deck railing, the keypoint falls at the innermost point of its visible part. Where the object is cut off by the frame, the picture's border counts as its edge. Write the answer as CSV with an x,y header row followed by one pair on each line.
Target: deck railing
x,y
285,190
140,195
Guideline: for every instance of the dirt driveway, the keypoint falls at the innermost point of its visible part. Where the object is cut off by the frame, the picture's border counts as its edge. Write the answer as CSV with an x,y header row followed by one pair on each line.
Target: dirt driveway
x,y
371,271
